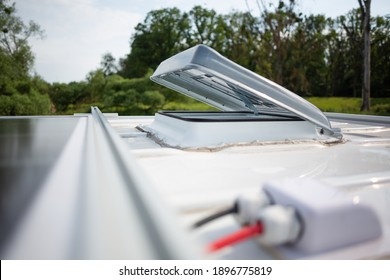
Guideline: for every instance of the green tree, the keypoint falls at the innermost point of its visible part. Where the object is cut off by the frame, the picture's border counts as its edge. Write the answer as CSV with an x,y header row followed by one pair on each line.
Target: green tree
x,y
162,34
96,82
309,54
278,27
63,95
151,101
365,10
345,56
108,64
380,62
306,69
135,96
20,94
241,33
208,28
14,39
352,33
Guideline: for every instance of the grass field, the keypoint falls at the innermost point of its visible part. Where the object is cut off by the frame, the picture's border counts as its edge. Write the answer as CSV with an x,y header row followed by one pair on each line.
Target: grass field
x,y
379,106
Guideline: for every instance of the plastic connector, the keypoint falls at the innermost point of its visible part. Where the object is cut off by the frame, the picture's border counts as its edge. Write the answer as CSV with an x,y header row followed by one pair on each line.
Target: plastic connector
x,y
248,208
330,218
281,225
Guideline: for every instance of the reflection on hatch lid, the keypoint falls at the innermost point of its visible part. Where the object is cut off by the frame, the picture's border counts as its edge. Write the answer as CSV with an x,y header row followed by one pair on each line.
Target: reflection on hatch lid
x,y
205,75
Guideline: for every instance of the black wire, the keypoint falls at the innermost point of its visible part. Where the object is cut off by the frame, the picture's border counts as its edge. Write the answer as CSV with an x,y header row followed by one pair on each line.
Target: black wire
x,y
215,216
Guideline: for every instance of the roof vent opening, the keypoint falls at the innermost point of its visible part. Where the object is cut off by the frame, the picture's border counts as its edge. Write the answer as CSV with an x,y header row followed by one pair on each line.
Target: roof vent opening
x,y
253,108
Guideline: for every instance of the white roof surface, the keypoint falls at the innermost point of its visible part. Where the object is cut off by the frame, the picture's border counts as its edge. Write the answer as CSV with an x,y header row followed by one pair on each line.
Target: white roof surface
x,y
103,189
198,182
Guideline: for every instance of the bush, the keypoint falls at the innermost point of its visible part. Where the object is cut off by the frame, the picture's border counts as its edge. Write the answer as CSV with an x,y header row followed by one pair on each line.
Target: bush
x,y
379,106
25,104
381,109
6,105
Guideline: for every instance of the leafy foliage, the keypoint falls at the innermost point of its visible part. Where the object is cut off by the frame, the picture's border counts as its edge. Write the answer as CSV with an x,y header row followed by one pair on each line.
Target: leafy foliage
x,y
351,105
162,34
20,94
311,55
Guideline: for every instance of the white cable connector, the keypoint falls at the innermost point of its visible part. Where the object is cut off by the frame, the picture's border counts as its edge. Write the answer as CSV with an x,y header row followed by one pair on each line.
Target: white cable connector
x,y
281,225
248,208
309,215
330,217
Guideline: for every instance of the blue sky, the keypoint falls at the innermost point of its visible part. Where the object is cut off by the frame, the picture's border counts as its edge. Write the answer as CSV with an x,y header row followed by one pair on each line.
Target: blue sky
x,y
79,32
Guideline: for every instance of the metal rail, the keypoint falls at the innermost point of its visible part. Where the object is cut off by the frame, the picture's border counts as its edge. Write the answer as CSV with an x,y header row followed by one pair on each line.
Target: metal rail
x,y
360,119
95,203
159,228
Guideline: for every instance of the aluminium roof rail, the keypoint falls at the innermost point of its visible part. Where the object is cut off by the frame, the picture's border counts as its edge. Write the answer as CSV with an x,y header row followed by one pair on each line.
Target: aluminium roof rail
x,y
95,202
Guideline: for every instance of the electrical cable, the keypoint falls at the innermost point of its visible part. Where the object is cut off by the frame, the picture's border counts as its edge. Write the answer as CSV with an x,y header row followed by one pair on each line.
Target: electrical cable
x,y
215,216
238,236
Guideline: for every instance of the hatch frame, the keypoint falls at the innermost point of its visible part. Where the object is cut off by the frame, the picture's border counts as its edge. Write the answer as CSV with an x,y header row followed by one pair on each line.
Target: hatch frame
x,y
205,75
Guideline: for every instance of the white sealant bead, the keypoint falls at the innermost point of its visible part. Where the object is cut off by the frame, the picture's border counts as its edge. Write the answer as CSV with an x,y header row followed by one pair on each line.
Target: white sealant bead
x,y
249,207
281,225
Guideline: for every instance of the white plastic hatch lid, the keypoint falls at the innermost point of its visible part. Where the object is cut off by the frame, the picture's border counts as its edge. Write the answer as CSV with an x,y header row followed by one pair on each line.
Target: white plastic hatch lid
x,y
203,74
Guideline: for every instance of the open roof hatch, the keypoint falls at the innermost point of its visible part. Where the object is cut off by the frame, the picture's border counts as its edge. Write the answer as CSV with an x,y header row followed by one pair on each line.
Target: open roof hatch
x,y
203,74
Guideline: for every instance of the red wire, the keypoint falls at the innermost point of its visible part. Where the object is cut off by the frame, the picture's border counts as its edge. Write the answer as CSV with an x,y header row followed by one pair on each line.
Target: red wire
x,y
238,236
